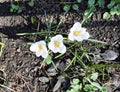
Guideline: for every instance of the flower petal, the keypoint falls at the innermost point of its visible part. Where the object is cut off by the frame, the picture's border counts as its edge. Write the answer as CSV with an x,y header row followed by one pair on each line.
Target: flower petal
x,y
62,49
59,37
86,35
83,30
78,38
71,36
44,54
51,45
77,25
72,29
55,50
38,53
33,47
41,42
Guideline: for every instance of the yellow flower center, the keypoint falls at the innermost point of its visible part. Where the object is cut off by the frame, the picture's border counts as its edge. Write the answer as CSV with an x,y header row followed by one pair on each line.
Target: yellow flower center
x,y
40,47
77,32
57,44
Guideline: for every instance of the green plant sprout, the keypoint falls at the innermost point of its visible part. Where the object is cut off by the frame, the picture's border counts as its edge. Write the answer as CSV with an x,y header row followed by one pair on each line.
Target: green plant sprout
x,y
73,6
31,3
113,6
87,84
32,19
15,8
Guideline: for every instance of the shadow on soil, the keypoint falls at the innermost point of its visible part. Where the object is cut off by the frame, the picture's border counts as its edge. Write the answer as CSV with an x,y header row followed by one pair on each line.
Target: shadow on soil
x,y
11,31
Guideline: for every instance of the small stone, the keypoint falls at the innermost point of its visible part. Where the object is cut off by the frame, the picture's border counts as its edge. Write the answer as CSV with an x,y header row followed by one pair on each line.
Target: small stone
x,y
109,55
44,79
18,50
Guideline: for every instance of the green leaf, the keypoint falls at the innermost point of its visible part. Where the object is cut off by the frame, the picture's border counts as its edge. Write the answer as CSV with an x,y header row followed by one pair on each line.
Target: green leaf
x,y
115,10
104,89
118,9
31,3
11,10
79,1
19,11
89,88
94,76
106,15
72,90
97,41
91,2
76,81
111,4
66,8
13,6
48,60
101,3
32,20
117,1
97,85
88,13
75,7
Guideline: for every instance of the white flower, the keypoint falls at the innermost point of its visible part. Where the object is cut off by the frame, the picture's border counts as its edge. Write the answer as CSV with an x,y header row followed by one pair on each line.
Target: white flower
x,y
40,49
77,32
56,44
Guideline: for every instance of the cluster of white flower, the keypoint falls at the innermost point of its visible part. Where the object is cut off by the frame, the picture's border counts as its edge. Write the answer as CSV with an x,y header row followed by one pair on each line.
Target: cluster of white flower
x,y
77,32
